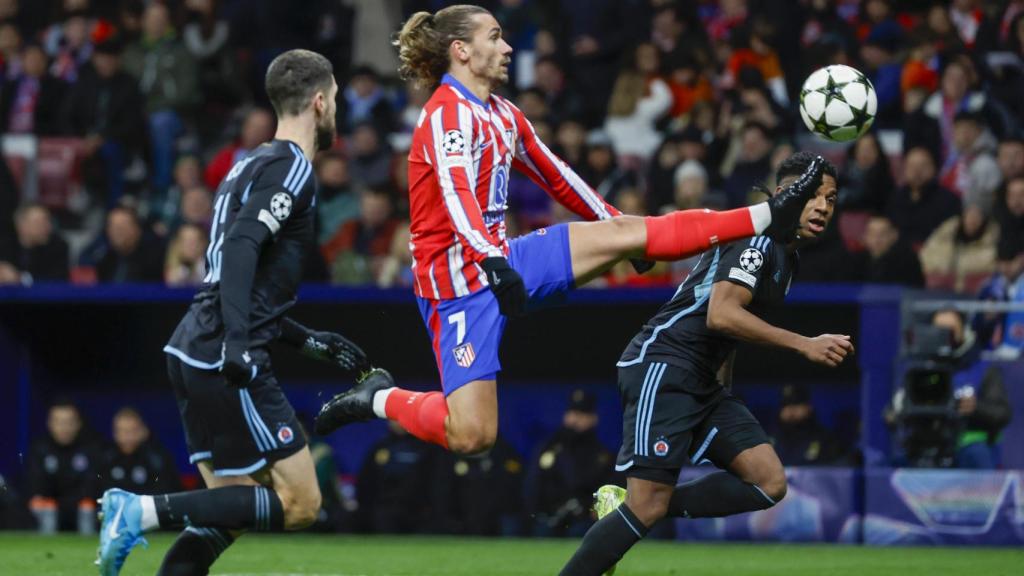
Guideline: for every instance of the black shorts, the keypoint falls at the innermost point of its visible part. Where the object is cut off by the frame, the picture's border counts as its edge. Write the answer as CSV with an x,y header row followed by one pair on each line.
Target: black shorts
x,y
666,425
240,430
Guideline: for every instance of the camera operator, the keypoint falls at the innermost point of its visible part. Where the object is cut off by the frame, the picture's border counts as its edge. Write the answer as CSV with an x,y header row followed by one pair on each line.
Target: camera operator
x,y
972,390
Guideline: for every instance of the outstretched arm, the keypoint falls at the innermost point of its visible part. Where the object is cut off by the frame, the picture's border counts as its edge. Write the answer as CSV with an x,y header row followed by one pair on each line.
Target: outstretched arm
x,y
554,176
325,346
727,313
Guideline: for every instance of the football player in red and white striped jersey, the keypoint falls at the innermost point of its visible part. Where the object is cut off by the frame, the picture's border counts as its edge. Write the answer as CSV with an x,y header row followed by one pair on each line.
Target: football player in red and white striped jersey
x,y
469,276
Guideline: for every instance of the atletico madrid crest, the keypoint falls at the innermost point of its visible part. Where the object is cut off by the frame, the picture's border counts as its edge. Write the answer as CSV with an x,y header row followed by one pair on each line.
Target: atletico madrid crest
x,y
464,355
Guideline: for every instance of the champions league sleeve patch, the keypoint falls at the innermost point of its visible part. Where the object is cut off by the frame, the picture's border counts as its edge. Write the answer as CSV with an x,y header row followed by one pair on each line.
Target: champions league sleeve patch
x,y
454,142
751,260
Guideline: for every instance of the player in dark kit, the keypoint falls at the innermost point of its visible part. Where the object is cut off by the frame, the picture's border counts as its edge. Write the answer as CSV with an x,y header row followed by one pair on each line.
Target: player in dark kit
x,y
240,428
674,380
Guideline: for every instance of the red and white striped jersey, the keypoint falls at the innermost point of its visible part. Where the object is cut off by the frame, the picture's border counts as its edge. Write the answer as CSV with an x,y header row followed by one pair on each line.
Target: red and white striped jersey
x,y
459,162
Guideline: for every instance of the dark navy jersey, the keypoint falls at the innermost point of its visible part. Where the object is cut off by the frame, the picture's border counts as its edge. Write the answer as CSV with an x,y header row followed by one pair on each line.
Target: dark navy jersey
x,y
678,333
273,186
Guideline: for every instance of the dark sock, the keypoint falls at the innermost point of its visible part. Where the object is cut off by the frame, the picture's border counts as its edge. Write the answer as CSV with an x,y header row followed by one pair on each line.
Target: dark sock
x,y
232,507
605,543
195,550
715,495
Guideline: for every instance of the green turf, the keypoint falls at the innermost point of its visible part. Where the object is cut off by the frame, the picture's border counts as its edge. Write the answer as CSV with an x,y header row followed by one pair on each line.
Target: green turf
x,y
24,554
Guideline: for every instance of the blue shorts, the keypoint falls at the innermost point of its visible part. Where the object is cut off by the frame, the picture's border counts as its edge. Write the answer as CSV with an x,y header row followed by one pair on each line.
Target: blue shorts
x,y
466,332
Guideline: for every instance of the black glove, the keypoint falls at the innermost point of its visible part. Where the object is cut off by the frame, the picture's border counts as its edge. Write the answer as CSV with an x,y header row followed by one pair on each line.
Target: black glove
x,y
641,265
507,286
336,349
238,367
787,206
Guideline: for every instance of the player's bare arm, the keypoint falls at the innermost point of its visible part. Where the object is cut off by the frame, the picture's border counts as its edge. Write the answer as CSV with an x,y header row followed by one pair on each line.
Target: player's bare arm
x,y
727,313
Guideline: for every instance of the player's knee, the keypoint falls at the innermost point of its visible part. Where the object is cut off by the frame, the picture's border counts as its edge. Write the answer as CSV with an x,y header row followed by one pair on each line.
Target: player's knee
x,y
649,506
301,508
472,440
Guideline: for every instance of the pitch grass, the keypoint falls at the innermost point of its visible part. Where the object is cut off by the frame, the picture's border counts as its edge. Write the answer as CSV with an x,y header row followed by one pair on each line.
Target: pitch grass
x,y
308,555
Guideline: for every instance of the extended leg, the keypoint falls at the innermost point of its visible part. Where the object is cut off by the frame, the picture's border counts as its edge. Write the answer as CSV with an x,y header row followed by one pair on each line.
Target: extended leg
x,y
755,481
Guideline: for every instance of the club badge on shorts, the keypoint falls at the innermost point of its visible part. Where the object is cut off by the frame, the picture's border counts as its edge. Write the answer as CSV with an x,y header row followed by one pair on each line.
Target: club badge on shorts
x,y
660,447
464,355
285,434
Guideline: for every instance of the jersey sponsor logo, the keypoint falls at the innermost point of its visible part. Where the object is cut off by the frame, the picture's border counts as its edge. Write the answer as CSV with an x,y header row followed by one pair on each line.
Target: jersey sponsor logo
x,y
454,142
285,434
661,447
751,260
500,186
281,206
464,355
748,279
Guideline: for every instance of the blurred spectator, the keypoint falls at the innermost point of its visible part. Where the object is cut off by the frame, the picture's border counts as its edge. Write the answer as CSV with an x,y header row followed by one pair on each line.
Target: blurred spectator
x,y
636,104
1010,159
338,202
1004,332
549,79
207,37
131,254
196,207
62,468
106,109
186,263
43,255
396,267
688,84
169,81
568,468
972,165
961,252
886,258
390,488
884,71
980,394
1011,215
570,141
30,103
165,210
531,102
257,128
970,22
677,35
753,53
479,495
753,165
802,439
10,51
920,205
355,253
9,198
867,179
921,68
600,168
370,161
68,44
136,462
954,95
364,100
691,186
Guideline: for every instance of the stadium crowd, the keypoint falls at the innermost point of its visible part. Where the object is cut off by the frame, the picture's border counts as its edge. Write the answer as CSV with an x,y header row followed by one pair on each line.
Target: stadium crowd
x,y
658,105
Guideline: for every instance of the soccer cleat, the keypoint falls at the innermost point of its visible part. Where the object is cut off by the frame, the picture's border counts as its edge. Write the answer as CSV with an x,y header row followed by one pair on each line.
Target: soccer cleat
x,y
787,206
120,531
354,405
606,500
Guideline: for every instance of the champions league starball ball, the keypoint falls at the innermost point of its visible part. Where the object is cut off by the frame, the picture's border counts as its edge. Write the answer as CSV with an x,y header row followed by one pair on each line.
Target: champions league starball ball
x,y
838,103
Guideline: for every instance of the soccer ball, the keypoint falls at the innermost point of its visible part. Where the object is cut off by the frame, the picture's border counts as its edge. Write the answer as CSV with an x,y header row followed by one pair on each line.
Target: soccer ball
x,y
838,103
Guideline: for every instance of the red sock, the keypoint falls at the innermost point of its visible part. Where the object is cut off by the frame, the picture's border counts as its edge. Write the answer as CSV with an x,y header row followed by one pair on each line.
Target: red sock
x,y
422,414
682,234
